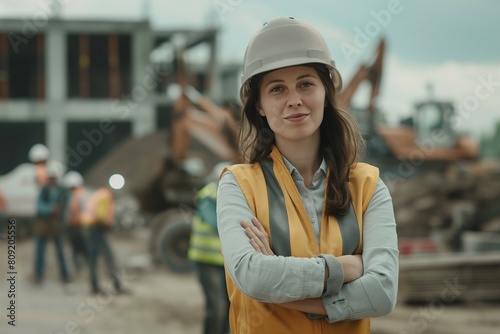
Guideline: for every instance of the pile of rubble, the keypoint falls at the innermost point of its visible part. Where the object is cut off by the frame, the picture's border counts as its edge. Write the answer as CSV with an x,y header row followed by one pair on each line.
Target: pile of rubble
x,y
434,202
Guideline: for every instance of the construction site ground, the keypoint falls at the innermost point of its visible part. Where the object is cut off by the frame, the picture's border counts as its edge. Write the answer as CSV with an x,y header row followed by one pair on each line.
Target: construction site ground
x,y
161,301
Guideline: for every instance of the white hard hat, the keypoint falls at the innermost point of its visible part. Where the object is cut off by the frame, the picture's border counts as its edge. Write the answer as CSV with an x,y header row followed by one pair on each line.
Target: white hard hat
x,y
194,166
55,169
284,42
38,152
73,179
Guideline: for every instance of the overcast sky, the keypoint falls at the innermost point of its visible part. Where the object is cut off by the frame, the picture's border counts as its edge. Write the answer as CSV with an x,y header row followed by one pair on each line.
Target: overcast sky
x,y
453,44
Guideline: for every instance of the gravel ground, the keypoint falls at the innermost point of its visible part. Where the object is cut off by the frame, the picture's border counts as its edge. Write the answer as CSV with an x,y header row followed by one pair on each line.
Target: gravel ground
x,y
164,302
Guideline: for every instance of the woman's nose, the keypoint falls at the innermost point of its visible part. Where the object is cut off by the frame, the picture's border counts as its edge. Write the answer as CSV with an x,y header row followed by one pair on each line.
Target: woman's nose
x,y
294,99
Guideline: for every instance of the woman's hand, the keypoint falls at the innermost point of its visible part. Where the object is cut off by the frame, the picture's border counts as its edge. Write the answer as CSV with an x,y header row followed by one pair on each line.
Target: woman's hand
x,y
259,239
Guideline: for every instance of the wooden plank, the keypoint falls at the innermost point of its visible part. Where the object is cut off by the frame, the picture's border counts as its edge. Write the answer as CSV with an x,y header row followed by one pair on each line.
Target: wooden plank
x,y
84,64
474,276
114,66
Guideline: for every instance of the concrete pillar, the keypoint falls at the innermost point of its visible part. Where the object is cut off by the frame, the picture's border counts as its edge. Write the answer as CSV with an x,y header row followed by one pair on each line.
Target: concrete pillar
x,y
143,122
55,63
56,135
56,93
142,93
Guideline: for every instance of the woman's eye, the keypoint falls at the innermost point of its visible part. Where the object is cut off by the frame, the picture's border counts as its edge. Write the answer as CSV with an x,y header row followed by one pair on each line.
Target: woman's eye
x,y
276,89
306,84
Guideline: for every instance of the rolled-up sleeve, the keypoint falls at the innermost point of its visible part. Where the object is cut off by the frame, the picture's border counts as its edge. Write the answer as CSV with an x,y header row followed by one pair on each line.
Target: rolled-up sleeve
x,y
375,293
270,279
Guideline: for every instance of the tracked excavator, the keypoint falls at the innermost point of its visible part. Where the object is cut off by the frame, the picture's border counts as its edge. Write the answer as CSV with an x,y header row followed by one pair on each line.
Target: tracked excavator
x,y
446,200
426,136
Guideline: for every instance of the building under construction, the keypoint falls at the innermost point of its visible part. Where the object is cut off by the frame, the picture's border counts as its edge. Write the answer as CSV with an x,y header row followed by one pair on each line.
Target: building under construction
x,y
82,86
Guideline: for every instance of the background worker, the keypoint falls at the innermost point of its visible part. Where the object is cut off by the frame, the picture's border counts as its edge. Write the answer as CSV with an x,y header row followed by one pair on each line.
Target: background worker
x,y
204,251
51,203
98,218
76,202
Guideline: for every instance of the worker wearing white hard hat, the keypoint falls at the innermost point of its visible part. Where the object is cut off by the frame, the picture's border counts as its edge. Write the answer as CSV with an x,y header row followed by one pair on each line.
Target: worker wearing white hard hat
x,y
303,187
73,217
73,179
51,204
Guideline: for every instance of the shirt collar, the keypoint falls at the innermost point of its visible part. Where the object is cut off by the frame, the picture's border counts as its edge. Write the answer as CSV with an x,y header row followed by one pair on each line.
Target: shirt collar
x,y
322,167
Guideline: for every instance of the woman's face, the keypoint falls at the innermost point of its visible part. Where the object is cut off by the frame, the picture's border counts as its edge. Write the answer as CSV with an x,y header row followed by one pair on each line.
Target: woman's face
x,y
293,100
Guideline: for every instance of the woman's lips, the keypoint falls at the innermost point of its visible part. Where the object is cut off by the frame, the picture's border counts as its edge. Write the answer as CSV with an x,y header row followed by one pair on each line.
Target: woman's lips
x,y
296,117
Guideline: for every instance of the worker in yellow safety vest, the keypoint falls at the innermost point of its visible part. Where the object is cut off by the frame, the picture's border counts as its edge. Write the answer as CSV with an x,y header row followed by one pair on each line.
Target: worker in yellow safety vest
x,y
204,251
307,231
97,218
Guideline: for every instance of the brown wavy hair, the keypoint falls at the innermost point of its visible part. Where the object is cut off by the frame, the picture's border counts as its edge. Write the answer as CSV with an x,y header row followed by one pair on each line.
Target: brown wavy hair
x,y
341,145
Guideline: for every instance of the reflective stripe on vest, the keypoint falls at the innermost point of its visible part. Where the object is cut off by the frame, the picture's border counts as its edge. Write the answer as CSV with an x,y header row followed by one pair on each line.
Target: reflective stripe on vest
x,y
204,243
208,191
99,208
280,232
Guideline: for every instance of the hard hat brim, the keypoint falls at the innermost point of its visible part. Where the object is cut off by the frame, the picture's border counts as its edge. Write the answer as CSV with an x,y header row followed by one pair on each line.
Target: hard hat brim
x,y
280,64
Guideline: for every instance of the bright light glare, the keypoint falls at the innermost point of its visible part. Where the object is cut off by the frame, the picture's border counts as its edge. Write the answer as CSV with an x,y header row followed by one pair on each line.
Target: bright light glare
x,y
116,181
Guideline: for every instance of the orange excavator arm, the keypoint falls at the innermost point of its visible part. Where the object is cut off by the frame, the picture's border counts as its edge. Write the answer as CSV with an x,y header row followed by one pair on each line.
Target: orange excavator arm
x,y
372,73
212,126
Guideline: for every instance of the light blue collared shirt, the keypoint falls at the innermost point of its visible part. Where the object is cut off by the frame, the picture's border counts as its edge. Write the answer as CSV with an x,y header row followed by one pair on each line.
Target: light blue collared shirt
x,y
313,197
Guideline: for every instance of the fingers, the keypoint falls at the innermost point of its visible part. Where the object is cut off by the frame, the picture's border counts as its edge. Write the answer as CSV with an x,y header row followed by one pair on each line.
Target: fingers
x,y
259,226
258,237
258,230
263,236
256,242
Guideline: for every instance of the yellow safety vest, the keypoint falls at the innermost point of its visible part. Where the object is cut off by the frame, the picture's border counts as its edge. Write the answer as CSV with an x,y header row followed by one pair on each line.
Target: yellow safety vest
x,y
100,208
204,244
274,198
